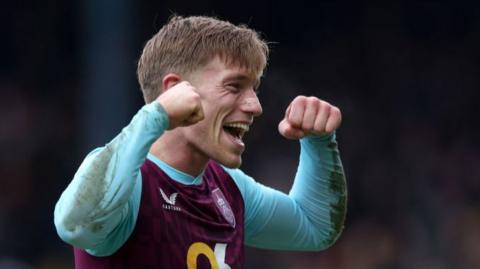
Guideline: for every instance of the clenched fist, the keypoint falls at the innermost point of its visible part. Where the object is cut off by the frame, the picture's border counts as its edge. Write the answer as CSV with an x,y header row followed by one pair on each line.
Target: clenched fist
x,y
182,104
309,115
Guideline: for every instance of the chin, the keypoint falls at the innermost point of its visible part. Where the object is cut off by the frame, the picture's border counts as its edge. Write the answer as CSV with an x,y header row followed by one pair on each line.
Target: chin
x,y
231,163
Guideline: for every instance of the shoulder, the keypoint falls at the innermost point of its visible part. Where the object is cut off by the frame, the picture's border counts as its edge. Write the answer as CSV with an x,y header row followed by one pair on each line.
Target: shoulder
x,y
236,174
244,182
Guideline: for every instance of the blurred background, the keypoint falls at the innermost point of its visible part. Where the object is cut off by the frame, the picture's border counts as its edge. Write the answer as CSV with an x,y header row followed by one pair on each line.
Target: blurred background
x,y
405,74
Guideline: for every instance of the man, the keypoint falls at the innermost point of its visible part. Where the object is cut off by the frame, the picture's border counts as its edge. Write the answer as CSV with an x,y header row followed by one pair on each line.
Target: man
x,y
167,191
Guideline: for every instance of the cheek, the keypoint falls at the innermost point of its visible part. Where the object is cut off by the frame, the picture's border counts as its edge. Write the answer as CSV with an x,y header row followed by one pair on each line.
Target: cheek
x,y
215,115
204,130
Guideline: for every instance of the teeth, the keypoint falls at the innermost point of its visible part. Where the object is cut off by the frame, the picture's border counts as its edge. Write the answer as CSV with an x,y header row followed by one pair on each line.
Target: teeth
x,y
243,126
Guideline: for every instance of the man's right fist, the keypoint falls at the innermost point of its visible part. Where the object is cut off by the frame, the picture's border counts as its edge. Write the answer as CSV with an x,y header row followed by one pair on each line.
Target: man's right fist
x,y
182,104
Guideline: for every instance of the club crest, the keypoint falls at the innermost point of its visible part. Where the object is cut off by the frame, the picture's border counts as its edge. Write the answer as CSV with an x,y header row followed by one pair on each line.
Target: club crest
x,y
223,206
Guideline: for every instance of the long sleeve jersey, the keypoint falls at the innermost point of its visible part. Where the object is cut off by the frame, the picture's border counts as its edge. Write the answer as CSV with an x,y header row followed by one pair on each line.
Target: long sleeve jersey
x,y
98,210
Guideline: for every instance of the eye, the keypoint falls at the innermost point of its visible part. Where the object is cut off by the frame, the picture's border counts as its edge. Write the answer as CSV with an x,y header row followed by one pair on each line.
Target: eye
x,y
233,87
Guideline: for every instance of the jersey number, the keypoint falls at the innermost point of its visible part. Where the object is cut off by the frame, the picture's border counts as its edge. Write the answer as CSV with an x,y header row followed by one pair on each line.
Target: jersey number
x,y
215,257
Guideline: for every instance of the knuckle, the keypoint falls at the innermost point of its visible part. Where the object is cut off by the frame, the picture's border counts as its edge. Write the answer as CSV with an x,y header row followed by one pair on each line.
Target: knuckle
x,y
324,107
310,101
300,99
336,111
325,104
195,96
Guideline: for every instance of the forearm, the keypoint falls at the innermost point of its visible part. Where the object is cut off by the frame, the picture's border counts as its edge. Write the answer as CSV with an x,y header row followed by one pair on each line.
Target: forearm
x,y
320,188
311,216
96,201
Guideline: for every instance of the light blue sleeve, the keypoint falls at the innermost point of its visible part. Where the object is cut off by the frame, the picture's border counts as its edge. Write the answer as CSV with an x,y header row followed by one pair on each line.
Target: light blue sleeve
x,y
98,210
312,215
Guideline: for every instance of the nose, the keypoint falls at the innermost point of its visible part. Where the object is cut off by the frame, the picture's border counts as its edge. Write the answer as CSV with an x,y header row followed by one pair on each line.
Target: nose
x,y
251,104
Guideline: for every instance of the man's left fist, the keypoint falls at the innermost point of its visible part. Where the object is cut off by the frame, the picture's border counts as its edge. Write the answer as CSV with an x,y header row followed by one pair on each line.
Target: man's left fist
x,y
309,115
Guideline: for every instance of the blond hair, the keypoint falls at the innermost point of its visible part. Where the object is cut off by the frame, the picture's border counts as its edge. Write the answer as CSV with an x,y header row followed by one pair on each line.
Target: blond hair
x,y
185,44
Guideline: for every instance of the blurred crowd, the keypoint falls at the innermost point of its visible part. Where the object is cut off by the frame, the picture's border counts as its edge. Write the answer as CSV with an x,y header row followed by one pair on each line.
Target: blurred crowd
x,y
405,76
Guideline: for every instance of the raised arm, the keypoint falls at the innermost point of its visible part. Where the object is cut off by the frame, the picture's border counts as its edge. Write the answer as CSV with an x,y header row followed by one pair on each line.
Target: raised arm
x,y
105,190
312,215
98,209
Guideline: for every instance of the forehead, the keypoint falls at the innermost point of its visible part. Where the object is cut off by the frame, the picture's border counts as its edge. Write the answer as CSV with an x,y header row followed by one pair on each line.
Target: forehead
x,y
221,69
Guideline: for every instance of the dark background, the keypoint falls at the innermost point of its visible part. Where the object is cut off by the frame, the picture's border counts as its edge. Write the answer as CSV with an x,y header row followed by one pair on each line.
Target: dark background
x,y
405,75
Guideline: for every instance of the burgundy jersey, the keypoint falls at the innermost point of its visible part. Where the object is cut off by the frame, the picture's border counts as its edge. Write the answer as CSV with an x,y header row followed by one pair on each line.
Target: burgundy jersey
x,y
181,226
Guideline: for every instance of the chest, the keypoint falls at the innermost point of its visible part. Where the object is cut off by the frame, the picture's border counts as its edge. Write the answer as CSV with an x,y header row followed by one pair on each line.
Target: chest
x,y
191,226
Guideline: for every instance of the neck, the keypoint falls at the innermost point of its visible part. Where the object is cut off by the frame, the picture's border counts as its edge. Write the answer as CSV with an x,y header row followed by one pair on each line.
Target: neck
x,y
173,149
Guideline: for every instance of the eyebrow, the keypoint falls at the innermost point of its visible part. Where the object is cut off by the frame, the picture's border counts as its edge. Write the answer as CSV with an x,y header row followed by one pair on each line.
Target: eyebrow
x,y
242,77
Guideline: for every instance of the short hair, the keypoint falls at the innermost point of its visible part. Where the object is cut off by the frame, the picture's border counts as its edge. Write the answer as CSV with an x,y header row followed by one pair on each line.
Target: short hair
x,y
186,44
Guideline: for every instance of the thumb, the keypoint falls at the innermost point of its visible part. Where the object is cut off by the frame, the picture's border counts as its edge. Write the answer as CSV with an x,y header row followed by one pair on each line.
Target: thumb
x,y
196,116
288,131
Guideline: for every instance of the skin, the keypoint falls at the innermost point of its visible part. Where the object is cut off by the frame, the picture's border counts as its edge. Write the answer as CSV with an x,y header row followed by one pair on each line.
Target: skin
x,y
199,105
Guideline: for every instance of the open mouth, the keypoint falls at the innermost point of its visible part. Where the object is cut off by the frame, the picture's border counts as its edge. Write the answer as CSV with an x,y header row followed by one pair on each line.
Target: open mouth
x,y
236,129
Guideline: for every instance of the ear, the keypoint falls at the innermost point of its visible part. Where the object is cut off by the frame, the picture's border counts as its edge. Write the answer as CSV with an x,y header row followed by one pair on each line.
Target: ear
x,y
170,80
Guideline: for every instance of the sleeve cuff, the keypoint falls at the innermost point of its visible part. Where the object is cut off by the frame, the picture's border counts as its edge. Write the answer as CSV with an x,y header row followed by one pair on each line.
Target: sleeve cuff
x,y
319,138
159,114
